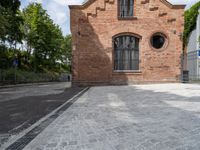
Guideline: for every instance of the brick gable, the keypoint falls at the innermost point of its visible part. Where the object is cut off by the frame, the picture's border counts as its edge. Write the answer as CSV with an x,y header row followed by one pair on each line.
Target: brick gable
x,y
93,26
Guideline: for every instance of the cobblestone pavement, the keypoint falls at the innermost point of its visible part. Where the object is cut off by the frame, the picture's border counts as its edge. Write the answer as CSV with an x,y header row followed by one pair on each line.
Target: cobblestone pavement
x,y
19,109
139,117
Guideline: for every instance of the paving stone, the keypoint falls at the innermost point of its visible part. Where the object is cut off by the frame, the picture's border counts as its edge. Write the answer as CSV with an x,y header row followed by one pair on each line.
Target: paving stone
x,y
52,145
92,140
139,117
73,143
64,144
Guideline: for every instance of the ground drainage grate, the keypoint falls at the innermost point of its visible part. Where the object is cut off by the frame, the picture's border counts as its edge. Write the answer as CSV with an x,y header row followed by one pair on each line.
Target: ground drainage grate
x,y
27,138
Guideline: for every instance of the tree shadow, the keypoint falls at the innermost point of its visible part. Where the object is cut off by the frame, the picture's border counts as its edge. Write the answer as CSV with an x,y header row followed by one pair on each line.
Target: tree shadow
x,y
93,62
93,27
19,114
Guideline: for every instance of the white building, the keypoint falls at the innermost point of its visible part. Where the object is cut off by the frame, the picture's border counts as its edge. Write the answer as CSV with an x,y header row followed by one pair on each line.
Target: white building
x,y
193,49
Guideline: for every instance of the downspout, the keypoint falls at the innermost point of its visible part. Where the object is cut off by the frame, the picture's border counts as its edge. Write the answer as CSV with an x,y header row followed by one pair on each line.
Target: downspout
x,y
198,45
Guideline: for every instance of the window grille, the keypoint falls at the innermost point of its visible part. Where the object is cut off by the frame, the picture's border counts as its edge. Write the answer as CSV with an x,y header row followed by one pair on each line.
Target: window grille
x,y
126,8
126,53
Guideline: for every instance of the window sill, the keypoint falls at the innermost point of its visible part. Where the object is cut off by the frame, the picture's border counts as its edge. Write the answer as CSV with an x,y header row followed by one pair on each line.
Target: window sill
x,y
127,72
127,18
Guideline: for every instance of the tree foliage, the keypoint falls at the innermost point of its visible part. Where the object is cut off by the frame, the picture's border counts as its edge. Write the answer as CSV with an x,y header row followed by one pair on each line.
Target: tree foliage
x,y
42,36
10,22
190,21
43,47
67,48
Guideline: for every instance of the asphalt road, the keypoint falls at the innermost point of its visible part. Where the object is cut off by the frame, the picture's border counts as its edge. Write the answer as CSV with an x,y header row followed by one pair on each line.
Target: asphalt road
x,y
20,107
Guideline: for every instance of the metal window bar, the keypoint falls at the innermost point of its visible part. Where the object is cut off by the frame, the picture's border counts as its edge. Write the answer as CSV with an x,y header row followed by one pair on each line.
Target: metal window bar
x,y
126,8
126,55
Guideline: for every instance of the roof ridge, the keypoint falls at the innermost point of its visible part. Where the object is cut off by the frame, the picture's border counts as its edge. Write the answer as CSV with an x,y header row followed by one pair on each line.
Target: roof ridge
x,y
166,2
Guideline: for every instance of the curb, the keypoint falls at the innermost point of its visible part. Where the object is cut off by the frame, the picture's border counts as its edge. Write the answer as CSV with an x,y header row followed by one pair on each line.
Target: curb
x,y
24,138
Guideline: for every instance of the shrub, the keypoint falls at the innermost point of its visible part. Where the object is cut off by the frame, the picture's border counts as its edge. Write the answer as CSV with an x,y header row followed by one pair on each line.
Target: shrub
x,y
190,21
26,77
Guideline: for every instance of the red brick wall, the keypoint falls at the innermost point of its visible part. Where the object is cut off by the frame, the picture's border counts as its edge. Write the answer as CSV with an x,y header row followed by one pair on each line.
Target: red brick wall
x,y
93,30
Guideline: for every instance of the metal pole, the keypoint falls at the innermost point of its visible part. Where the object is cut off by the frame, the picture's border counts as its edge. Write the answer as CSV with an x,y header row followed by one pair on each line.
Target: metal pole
x,y
35,61
15,62
1,75
15,75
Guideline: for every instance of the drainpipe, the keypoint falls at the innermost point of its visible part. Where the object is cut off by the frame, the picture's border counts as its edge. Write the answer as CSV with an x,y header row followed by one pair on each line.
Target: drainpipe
x,y
198,45
198,30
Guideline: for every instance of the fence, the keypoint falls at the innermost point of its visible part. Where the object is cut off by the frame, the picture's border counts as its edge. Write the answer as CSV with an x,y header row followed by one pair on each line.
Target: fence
x,y
12,76
193,65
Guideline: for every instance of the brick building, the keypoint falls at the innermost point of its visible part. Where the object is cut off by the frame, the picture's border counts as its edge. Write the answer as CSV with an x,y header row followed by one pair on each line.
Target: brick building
x,y
126,41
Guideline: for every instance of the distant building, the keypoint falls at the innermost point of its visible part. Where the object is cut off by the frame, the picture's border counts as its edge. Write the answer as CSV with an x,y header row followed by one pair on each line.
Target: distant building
x,y
193,52
126,41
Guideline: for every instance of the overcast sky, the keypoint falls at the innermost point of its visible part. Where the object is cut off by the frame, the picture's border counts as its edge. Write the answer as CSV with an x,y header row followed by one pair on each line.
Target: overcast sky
x,y
59,11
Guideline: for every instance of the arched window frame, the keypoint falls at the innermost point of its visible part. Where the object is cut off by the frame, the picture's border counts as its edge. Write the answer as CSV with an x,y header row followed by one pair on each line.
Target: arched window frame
x,y
122,68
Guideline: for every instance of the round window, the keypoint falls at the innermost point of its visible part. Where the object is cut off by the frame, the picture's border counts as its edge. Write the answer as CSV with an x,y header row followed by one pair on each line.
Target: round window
x,y
158,41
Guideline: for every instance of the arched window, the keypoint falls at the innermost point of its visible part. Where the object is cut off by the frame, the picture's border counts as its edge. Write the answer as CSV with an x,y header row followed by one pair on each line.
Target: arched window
x,y
126,53
125,8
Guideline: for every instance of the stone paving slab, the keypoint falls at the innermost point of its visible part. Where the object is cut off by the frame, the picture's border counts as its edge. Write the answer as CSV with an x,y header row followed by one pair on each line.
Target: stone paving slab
x,y
139,117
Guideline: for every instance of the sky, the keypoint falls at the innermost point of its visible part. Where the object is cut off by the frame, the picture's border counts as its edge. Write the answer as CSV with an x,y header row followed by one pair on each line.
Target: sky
x,y
59,11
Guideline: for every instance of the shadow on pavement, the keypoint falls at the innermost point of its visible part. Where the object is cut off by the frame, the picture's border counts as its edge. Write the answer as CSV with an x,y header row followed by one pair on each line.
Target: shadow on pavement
x,y
19,114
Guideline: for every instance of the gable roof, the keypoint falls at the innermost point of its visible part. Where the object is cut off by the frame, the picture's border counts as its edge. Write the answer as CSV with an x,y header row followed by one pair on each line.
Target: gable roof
x,y
86,3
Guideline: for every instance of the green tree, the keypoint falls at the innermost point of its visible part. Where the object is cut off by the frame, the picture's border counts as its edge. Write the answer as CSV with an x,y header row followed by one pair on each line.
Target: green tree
x,y
43,37
67,48
3,23
10,22
190,21
10,31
